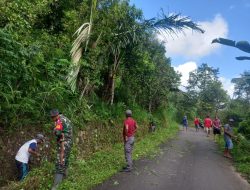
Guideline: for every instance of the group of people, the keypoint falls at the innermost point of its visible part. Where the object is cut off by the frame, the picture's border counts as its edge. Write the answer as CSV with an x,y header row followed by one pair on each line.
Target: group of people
x,y
216,126
63,132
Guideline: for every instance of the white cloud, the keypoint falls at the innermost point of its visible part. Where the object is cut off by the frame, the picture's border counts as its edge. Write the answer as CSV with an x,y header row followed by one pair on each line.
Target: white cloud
x,y
184,70
194,44
227,85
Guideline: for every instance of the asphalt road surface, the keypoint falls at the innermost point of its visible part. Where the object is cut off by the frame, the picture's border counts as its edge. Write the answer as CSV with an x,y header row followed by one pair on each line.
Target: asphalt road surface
x,y
190,162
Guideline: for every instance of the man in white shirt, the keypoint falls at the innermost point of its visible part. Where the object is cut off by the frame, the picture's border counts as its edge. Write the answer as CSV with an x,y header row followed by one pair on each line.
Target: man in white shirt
x,y
23,155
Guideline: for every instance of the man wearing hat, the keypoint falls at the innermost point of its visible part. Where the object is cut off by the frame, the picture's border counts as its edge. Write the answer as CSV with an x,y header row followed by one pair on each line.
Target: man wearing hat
x,y
129,130
23,155
63,131
228,135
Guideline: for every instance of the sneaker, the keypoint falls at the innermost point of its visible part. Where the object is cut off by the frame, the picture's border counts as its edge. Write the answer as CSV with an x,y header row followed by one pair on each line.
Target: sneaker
x,y
126,170
124,167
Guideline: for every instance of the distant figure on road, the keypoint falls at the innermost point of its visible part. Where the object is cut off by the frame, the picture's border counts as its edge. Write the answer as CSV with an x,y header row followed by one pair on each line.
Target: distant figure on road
x,y
228,135
196,123
152,127
185,122
201,125
63,131
216,127
129,130
208,125
23,155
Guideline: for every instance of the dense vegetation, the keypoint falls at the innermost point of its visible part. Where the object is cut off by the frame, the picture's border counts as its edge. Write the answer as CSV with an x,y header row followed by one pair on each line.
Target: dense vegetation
x,y
113,62
121,59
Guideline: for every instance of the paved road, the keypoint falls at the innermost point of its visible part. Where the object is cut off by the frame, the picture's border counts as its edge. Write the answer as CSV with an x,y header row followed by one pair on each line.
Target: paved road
x,y
191,162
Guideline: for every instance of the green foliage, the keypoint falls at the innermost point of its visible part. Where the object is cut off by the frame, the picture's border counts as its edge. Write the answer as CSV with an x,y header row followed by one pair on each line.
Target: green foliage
x,y
205,91
122,62
121,30
27,92
242,86
245,128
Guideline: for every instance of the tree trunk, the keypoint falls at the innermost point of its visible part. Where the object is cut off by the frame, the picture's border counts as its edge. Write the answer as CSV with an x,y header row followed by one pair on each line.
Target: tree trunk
x,y
112,90
150,106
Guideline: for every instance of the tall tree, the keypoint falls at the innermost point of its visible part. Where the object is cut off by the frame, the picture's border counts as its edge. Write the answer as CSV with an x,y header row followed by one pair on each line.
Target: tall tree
x,y
242,86
203,84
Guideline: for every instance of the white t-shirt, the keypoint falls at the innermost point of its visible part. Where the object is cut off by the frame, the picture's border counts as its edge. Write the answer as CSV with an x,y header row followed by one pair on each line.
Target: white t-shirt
x,y
23,154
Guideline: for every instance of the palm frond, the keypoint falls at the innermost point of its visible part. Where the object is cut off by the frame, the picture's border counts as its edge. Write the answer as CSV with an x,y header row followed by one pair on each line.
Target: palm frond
x,y
173,23
76,54
82,36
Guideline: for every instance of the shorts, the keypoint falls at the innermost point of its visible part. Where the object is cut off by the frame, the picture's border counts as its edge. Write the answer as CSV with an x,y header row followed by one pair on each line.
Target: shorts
x,y
185,125
208,128
228,143
196,126
216,131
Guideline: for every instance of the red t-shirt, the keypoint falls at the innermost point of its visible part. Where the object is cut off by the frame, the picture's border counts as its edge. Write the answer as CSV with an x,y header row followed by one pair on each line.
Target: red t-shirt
x,y
131,123
196,121
208,122
216,123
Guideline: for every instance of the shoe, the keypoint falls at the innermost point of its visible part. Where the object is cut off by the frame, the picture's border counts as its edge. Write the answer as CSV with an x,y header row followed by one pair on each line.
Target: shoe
x,y
57,180
124,167
65,175
228,156
126,170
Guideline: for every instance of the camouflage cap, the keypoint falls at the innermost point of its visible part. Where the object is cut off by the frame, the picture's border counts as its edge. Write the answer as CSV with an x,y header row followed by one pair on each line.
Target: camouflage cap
x,y
54,112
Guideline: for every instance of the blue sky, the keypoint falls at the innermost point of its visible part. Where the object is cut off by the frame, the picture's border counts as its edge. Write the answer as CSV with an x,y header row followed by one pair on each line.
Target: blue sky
x,y
220,18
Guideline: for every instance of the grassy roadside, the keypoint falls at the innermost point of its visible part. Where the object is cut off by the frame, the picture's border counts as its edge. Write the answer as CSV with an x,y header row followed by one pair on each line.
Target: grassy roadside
x,y
84,174
241,155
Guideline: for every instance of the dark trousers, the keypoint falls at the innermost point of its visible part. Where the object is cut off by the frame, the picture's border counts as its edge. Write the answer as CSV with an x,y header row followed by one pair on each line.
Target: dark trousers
x,y
22,169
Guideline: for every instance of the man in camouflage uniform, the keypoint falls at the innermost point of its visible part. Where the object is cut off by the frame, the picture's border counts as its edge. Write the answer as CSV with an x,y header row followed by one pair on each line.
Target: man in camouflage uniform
x,y
64,135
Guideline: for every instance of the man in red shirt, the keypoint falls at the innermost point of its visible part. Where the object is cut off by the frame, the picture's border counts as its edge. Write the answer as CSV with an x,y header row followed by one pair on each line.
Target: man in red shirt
x,y
216,127
196,123
129,130
208,124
